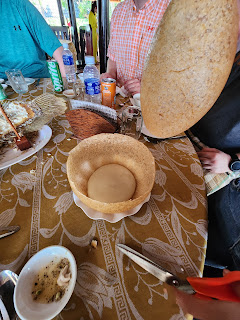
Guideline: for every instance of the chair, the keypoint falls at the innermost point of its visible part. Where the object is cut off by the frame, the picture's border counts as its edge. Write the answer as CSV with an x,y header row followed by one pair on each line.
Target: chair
x,y
61,32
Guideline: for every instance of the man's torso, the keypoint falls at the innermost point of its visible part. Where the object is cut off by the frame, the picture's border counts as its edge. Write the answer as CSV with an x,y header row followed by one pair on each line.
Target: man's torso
x,y
131,36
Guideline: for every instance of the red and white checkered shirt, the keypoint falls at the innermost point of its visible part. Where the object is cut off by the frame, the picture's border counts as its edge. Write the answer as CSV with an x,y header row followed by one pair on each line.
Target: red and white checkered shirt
x,y
131,35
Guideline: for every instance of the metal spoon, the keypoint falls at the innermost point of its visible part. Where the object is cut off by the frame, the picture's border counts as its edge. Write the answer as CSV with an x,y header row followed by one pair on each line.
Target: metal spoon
x,y
8,281
10,230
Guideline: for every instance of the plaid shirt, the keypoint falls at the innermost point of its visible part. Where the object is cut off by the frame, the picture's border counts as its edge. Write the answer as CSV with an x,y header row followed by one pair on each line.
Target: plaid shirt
x,y
131,35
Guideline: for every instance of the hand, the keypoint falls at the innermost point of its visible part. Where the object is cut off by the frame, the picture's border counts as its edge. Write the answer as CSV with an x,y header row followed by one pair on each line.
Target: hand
x,y
214,160
106,75
132,86
209,309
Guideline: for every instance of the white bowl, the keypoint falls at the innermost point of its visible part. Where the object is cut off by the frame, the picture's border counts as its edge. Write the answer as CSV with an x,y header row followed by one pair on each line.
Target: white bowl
x,y
1,80
26,307
69,93
136,98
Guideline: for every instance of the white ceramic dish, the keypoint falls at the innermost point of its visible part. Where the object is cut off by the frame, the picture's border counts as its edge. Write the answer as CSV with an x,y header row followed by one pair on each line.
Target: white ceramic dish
x,y
4,85
69,93
12,156
136,99
26,307
113,217
28,80
147,133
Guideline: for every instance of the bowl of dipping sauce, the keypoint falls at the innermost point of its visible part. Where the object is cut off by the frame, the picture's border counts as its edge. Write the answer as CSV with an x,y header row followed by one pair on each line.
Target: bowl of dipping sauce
x,y
69,93
45,284
136,98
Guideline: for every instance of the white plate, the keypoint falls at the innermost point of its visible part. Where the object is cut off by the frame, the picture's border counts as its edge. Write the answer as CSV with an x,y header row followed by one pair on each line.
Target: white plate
x,y
28,80
147,133
69,93
26,307
4,85
113,217
12,156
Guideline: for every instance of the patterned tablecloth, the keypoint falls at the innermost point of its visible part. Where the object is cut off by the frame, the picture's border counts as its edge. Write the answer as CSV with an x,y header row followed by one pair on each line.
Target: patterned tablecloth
x,y
170,228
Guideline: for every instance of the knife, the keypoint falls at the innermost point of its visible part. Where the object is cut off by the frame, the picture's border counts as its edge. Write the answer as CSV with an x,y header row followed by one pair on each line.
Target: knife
x,y
217,288
10,230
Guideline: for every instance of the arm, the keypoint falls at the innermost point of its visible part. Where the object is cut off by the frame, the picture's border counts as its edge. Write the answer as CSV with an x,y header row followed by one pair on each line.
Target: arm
x,y
133,86
111,70
57,55
215,160
209,309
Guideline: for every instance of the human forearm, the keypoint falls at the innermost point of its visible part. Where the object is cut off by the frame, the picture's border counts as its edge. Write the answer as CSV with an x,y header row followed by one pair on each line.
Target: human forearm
x,y
57,55
111,70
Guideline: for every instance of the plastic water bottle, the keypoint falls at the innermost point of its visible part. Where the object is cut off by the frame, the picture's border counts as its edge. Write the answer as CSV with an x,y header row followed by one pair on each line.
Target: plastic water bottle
x,y
91,77
68,63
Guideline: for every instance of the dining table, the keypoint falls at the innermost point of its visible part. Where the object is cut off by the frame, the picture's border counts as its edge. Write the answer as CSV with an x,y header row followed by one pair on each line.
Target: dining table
x,y
170,229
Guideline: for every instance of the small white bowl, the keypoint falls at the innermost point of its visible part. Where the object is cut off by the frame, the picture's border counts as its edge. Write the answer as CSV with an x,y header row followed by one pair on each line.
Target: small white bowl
x,y
26,307
4,85
69,93
1,80
136,98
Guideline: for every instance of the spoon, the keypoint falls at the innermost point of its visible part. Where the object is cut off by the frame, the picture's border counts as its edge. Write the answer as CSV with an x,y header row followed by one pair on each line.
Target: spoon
x,y
8,281
10,230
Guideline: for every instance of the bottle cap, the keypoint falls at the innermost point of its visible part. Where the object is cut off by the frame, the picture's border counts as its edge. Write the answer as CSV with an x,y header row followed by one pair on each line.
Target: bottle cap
x,y
65,45
89,60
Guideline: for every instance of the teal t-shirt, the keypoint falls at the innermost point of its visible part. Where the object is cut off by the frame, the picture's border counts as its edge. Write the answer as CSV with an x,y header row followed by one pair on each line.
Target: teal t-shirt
x,y
25,37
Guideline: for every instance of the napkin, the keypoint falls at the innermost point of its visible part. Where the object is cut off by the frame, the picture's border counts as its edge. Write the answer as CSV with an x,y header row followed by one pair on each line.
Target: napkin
x,y
122,91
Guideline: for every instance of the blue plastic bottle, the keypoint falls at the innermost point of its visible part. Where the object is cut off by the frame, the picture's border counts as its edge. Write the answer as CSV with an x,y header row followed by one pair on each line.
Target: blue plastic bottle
x,y
91,77
68,64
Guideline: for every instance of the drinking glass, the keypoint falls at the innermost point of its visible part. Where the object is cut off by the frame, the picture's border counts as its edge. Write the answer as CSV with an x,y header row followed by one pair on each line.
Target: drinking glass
x,y
79,89
17,81
131,122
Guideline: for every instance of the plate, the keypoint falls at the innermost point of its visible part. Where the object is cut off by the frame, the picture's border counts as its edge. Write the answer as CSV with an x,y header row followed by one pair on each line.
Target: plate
x,y
69,93
26,307
28,81
12,156
113,217
147,133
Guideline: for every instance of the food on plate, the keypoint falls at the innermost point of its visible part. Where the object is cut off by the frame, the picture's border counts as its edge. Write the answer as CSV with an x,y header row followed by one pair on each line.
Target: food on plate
x,y
86,123
111,183
190,59
18,112
52,281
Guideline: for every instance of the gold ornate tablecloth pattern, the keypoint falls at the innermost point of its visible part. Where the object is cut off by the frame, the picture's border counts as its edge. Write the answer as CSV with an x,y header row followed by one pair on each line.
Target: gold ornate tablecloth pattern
x,y
170,228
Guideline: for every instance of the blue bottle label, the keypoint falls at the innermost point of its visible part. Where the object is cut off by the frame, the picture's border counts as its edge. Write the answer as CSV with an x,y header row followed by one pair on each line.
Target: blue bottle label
x,y
67,60
92,86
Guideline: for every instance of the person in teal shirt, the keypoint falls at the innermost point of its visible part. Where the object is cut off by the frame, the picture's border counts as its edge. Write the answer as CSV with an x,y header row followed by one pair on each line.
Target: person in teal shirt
x,y
25,38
